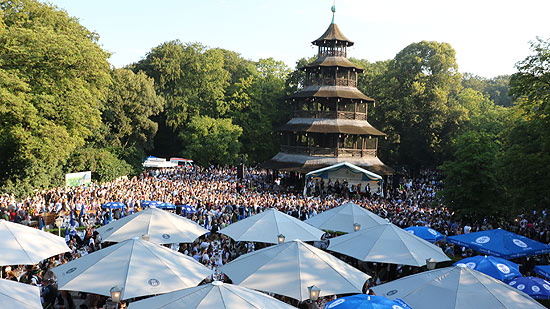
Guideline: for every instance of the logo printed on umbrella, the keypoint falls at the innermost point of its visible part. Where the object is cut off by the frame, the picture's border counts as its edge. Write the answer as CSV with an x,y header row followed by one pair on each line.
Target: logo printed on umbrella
x,y
154,282
165,236
535,288
519,243
483,239
503,268
109,229
411,231
336,303
433,232
512,282
392,292
521,287
70,270
546,286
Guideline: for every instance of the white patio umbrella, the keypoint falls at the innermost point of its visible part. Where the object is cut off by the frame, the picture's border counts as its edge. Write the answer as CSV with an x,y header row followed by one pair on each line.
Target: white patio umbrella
x,y
455,287
267,225
213,295
23,245
137,266
387,243
163,227
15,295
290,268
342,218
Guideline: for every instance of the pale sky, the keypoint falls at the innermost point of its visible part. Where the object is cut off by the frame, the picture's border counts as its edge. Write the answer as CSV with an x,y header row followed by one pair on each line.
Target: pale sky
x,y
489,36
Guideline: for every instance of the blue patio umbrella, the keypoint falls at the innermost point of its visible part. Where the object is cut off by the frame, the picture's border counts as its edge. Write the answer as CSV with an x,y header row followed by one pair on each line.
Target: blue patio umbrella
x,y
495,267
151,203
190,209
535,287
500,243
113,205
41,226
166,206
364,301
543,270
425,233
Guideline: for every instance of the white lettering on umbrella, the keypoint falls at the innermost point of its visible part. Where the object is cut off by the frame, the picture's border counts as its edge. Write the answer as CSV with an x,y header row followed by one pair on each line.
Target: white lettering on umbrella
x,y
483,239
519,243
503,268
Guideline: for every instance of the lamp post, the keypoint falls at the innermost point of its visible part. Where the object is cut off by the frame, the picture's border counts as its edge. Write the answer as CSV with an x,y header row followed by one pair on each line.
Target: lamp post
x,y
356,227
116,293
280,238
58,223
430,263
313,294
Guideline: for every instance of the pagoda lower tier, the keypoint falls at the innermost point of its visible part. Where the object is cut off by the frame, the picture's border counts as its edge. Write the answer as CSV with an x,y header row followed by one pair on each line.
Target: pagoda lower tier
x,y
306,163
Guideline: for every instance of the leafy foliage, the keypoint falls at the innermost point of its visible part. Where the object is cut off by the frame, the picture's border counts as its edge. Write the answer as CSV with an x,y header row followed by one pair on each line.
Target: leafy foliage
x,y
471,183
52,78
212,141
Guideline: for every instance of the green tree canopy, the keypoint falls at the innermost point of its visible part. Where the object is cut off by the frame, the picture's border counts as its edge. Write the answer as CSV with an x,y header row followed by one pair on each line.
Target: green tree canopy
x,y
212,141
190,77
53,75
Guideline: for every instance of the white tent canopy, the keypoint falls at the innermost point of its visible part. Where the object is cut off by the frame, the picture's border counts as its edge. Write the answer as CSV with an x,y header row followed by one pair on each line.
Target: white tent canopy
x,y
15,295
163,227
387,243
23,245
455,287
342,218
137,266
290,268
213,295
346,171
267,225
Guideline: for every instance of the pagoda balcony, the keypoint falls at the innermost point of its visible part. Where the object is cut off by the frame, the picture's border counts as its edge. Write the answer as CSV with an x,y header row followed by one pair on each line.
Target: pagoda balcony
x,y
333,82
330,115
324,152
332,53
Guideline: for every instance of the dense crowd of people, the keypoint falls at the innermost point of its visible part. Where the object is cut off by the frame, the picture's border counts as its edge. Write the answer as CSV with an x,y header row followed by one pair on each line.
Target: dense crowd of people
x,y
221,198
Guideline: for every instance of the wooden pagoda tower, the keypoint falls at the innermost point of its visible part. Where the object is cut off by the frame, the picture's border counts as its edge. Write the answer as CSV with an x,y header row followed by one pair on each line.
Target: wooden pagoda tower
x,y
329,123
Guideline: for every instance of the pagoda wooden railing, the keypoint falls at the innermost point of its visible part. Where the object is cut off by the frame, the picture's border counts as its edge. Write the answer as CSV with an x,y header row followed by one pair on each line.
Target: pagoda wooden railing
x,y
333,82
337,152
329,53
330,115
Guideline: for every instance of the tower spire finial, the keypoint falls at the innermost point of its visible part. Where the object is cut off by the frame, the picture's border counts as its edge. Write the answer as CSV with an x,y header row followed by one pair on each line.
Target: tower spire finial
x,y
333,9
